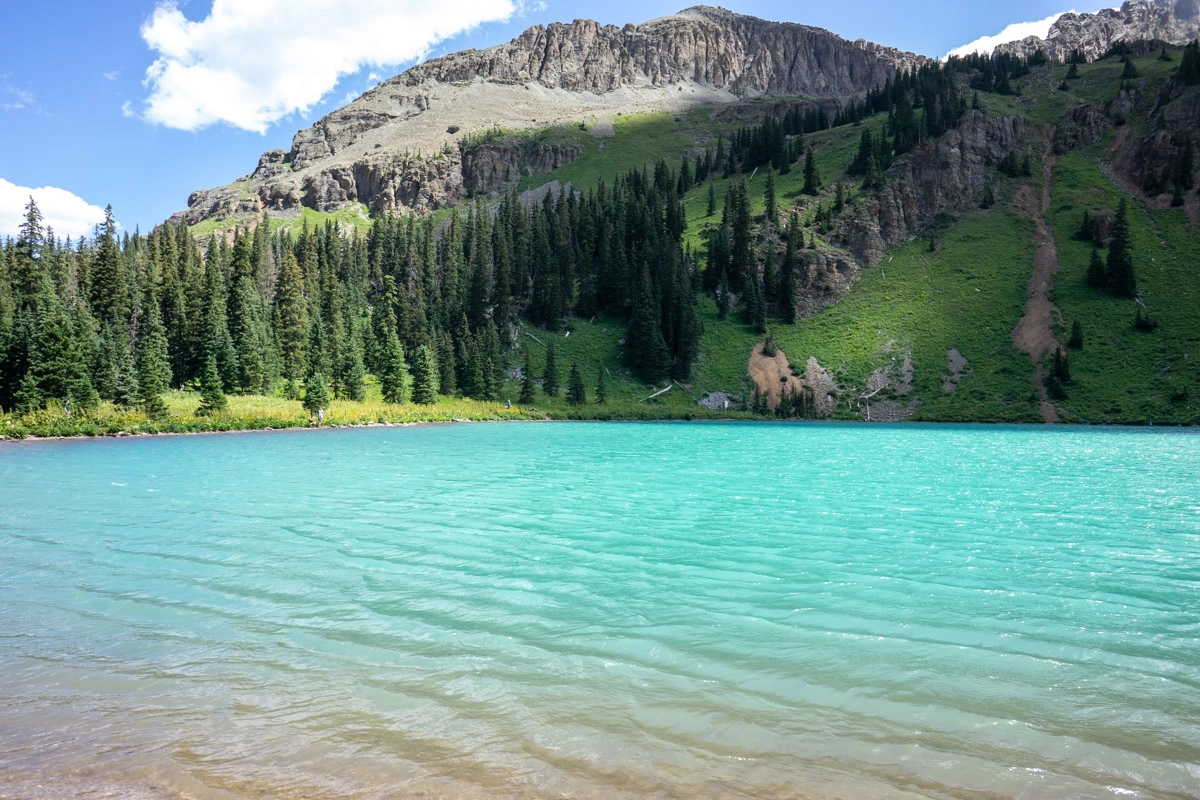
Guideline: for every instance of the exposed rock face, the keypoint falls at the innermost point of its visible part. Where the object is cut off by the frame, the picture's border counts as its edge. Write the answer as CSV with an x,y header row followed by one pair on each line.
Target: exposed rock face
x,y
743,55
491,167
947,175
1081,127
1174,22
400,146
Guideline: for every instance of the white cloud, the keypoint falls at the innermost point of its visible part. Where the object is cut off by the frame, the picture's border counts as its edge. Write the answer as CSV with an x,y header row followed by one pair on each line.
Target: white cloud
x,y
68,214
1013,33
252,64
112,74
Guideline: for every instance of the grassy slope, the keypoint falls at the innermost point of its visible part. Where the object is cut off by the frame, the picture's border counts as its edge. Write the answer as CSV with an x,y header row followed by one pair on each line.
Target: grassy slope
x,y
967,295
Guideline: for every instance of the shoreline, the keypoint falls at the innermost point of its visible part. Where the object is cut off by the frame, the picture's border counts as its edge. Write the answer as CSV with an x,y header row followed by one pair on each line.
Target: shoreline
x,y
124,434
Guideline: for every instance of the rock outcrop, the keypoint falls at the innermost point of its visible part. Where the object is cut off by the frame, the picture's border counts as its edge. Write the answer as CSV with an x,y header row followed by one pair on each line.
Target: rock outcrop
x,y
403,146
1175,22
944,176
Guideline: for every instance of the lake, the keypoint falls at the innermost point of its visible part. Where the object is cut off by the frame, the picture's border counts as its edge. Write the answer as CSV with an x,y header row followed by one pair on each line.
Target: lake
x,y
603,610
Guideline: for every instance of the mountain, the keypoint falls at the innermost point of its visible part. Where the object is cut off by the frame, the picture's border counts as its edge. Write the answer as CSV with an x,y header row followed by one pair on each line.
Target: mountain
x,y
399,146
1174,22
706,214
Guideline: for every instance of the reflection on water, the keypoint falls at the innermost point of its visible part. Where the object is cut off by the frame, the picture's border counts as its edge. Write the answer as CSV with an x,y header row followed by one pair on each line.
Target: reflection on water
x,y
603,611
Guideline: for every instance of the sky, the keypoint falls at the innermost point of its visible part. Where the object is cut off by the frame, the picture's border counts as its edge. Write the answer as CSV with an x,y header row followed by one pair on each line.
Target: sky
x,y
137,103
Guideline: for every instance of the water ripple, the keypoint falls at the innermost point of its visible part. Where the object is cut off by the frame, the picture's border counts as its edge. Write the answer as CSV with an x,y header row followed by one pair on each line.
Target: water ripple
x,y
751,611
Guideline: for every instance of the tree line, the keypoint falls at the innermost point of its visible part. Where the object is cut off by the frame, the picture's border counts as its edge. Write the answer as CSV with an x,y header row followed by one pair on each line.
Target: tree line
x,y
427,307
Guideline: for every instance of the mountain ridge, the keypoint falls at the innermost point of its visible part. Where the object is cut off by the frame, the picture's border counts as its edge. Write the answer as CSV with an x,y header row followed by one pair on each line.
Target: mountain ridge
x,y
381,149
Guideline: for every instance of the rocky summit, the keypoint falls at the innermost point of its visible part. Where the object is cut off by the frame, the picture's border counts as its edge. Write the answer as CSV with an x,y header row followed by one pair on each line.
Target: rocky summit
x,y
1174,22
401,146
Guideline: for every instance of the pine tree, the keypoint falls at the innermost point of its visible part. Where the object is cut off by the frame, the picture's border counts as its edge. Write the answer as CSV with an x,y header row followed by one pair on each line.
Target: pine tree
x,y
27,255
394,379
124,390
291,319
601,387
772,211
989,197
576,393
212,398
1189,68
1121,281
316,393
526,396
712,200
425,377
550,375
812,179
787,283
247,324
1130,72
1073,72
648,354
57,370
153,366
108,275
1076,340
756,308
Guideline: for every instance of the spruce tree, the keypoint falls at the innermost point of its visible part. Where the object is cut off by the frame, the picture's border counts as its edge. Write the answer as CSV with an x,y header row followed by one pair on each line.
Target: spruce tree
x,y
550,375
425,377
812,179
526,396
291,319
1121,281
351,371
153,365
756,307
316,393
27,255
1189,68
647,350
1076,340
772,211
124,391
1073,72
394,379
109,276
212,398
787,283
712,200
576,393
57,370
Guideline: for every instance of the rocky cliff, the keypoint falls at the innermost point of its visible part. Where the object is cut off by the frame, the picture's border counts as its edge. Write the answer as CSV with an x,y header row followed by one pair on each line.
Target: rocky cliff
x,y
1174,22
401,146
944,176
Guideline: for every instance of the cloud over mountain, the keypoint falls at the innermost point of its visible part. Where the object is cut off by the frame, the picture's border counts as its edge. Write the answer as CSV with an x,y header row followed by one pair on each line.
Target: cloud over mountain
x,y
1012,33
252,64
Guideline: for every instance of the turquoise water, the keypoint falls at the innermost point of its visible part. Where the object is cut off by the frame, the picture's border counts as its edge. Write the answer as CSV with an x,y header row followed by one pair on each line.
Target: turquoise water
x,y
603,610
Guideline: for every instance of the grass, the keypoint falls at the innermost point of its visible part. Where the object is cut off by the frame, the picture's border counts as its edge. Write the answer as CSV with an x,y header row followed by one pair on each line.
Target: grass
x,y
355,217
638,140
1041,103
1124,374
967,295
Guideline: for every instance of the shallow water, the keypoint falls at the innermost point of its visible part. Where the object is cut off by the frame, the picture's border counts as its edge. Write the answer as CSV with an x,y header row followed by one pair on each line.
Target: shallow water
x,y
603,610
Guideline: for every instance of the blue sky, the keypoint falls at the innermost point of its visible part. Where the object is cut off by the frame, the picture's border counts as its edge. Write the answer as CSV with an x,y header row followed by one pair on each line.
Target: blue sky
x,y
79,112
